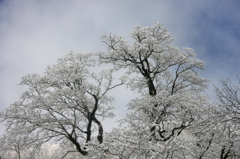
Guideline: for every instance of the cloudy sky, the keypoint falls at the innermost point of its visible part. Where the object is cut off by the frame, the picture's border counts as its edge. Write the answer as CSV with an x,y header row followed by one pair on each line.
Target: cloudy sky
x,y
34,33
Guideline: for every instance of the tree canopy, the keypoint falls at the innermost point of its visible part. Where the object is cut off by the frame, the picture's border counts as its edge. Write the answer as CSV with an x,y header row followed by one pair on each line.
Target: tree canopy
x,y
170,118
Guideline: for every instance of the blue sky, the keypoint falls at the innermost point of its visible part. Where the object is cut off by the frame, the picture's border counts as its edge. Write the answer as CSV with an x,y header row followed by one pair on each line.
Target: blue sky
x,y
34,33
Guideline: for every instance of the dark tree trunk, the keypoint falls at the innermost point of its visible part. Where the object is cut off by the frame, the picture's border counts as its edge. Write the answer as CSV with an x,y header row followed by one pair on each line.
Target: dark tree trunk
x,y
78,147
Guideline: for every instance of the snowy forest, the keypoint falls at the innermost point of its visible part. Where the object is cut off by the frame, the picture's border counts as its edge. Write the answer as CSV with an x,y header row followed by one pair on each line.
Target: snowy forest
x,y
61,113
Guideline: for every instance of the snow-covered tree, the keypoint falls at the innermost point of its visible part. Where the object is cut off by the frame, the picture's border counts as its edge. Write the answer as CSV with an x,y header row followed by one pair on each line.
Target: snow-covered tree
x,y
166,77
170,118
17,145
65,104
228,96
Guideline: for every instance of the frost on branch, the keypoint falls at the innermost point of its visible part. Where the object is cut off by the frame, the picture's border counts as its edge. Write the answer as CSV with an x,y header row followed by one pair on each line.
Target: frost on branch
x,y
65,104
165,76
228,117
170,118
